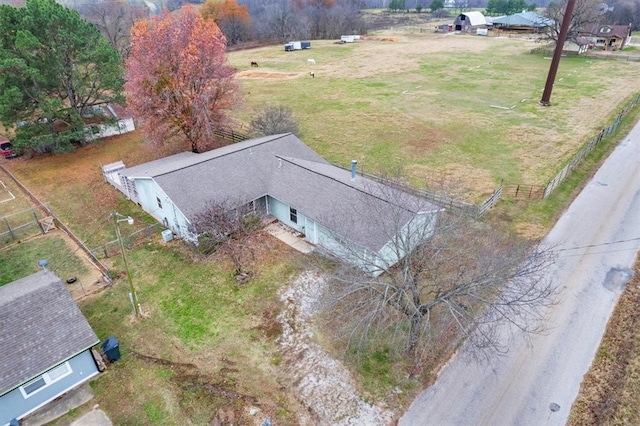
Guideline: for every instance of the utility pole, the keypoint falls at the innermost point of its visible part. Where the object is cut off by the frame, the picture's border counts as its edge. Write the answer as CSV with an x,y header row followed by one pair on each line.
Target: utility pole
x,y
134,295
551,77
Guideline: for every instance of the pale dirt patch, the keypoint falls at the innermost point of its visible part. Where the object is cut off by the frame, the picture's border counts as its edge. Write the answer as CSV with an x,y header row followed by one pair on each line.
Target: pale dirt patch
x,y
267,74
322,384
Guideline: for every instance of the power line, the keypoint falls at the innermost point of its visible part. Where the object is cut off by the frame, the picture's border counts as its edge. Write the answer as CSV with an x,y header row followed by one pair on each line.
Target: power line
x,y
599,245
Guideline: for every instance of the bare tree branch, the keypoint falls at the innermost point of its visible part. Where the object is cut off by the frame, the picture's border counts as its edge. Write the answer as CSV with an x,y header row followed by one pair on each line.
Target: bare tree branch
x,y
224,227
455,280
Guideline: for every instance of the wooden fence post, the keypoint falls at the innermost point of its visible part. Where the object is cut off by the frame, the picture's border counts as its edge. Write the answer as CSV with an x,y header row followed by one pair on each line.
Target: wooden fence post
x,y
35,216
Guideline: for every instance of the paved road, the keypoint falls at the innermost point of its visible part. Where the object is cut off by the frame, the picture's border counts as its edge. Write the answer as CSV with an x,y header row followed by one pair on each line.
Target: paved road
x,y
599,237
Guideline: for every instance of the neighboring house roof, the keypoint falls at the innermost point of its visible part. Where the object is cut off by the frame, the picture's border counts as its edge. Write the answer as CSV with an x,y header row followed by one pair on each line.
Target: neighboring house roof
x,y
283,167
40,327
475,18
118,111
14,3
607,31
524,19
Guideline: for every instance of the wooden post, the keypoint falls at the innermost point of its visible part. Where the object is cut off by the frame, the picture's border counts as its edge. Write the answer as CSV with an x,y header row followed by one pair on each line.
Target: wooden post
x,y
35,216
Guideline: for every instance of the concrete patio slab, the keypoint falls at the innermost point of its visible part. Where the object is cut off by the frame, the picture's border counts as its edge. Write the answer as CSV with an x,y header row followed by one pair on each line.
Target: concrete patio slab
x,y
289,237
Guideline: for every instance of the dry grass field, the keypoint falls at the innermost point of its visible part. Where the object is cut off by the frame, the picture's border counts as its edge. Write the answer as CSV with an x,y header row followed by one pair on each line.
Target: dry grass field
x,y
428,102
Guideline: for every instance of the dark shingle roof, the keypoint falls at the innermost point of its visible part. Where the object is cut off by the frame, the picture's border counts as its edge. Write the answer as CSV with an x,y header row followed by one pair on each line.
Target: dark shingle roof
x,y
362,210
234,173
605,30
283,167
40,326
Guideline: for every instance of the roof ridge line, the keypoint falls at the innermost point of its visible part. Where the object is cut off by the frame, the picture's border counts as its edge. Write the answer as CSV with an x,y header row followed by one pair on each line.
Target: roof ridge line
x,y
224,155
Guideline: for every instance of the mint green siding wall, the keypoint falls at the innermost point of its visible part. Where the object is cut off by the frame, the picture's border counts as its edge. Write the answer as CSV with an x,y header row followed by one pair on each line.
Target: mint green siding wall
x,y
167,213
281,211
418,230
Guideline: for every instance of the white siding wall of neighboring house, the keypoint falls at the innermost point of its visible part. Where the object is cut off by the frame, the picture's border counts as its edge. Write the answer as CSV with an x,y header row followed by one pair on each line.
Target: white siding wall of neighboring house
x,y
98,131
158,204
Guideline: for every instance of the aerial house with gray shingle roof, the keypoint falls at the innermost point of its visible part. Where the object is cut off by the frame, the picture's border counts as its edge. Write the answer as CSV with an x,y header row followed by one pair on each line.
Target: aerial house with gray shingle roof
x,y
45,344
350,216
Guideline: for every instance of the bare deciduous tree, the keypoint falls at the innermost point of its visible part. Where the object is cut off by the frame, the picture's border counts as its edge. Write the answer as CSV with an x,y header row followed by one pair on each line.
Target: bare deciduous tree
x,y
585,14
279,21
273,120
222,227
462,282
624,12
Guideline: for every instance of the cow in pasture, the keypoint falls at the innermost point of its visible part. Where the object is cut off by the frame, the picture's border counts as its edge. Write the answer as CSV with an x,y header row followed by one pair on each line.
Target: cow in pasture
x,y
311,61
254,64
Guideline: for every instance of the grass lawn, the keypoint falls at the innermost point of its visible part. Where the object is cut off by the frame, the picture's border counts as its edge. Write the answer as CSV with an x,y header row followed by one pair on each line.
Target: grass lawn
x,y
23,259
410,99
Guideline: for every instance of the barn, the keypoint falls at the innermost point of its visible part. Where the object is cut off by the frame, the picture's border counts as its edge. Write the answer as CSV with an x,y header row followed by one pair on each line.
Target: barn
x,y
280,176
45,344
469,21
522,22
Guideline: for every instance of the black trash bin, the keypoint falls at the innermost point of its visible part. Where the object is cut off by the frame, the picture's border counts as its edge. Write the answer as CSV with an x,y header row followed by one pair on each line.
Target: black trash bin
x,y
111,348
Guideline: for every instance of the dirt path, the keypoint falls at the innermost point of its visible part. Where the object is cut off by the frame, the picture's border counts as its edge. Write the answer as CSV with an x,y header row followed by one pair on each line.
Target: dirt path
x,y
323,385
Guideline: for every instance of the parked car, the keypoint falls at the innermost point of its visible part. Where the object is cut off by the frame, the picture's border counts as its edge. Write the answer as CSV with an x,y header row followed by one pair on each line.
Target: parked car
x,y
6,149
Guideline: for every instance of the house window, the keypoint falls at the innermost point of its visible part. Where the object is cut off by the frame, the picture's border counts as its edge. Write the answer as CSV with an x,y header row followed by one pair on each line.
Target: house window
x,y
159,201
293,215
45,380
34,385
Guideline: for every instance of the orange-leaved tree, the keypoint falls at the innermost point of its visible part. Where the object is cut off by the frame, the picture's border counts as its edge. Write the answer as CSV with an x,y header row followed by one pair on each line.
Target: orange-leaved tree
x,y
232,18
179,83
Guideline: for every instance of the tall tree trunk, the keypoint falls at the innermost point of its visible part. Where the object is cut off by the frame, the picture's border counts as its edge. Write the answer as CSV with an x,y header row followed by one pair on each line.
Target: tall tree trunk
x,y
414,332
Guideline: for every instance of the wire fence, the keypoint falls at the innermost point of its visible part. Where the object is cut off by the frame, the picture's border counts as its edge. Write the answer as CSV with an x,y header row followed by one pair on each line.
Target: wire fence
x,y
588,147
22,225
44,216
112,248
441,200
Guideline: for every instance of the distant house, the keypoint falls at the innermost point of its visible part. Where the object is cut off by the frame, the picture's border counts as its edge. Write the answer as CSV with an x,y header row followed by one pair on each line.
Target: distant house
x,y
45,344
469,21
607,37
456,4
124,122
524,21
282,177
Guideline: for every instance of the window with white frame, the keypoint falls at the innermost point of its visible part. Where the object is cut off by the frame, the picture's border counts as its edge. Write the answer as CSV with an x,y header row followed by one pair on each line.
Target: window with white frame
x,y
48,378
